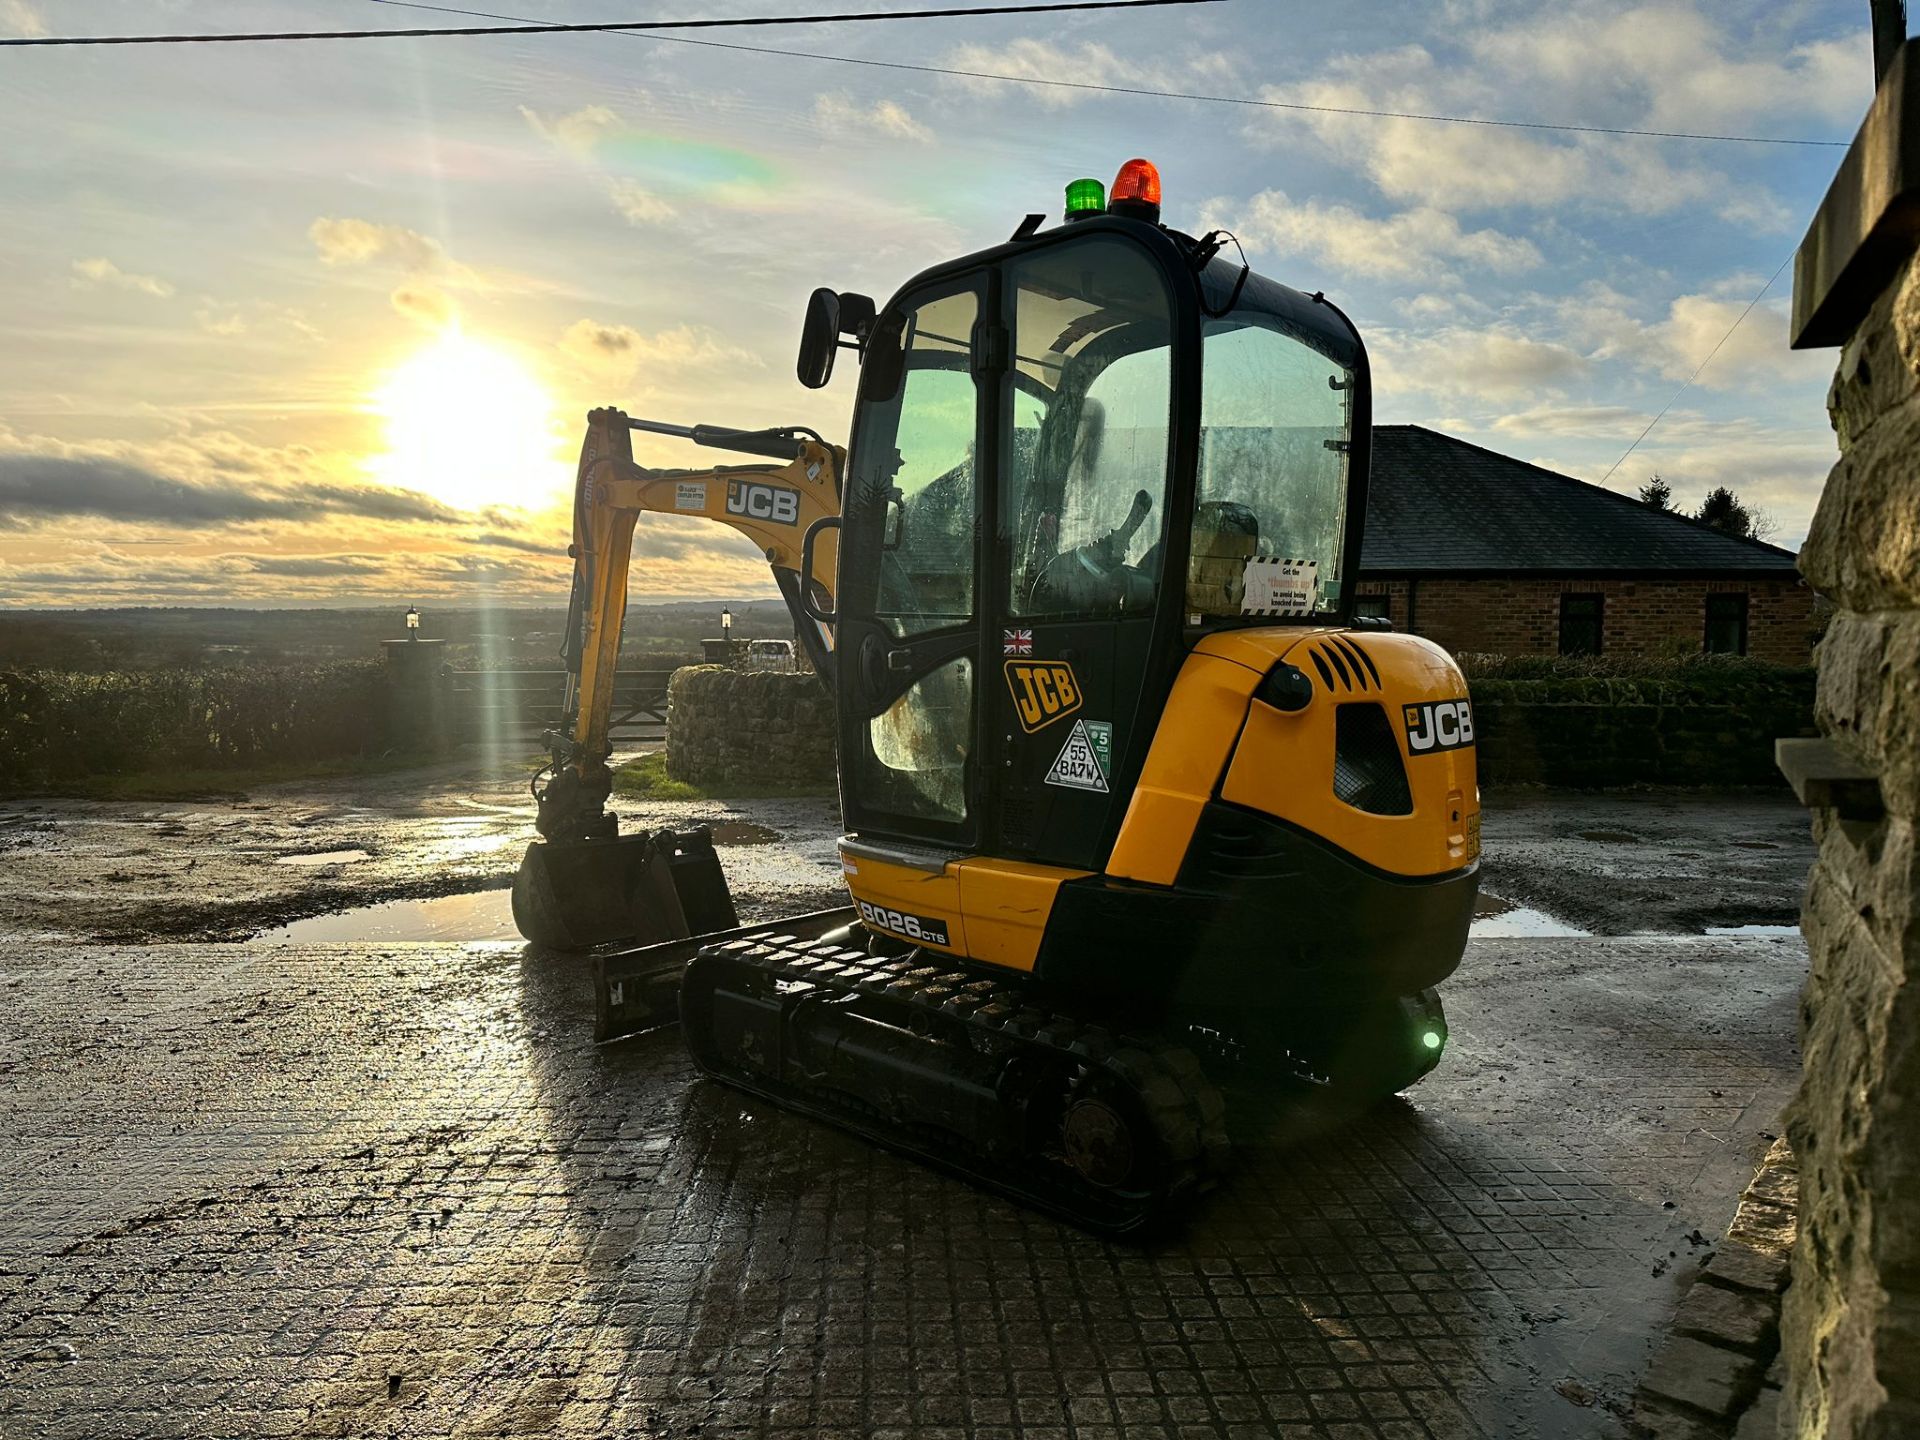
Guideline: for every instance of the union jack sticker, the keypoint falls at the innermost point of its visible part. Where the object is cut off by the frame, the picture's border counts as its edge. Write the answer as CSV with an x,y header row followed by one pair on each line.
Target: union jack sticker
x,y
1016,642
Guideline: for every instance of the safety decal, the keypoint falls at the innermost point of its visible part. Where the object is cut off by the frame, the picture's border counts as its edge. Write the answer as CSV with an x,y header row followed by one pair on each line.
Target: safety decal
x,y
1043,691
750,498
1016,642
1439,725
690,496
1273,586
913,927
1086,759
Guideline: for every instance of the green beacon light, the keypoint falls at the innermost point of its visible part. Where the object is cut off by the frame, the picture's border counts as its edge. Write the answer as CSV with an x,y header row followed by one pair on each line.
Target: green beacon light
x,y
1431,1039
1085,198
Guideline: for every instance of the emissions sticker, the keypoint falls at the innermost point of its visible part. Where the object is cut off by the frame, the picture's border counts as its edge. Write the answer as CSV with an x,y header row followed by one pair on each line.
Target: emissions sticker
x,y
1086,759
1440,725
914,927
690,497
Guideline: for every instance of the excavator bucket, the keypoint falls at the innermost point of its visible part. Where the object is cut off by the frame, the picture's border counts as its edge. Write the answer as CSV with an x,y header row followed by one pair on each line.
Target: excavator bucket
x,y
636,889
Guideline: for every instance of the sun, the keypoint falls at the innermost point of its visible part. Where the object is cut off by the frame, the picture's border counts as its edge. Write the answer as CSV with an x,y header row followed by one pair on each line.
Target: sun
x,y
468,424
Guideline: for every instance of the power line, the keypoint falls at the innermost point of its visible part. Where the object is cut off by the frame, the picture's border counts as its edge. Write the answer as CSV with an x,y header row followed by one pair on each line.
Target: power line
x,y
1696,373
536,28
1242,100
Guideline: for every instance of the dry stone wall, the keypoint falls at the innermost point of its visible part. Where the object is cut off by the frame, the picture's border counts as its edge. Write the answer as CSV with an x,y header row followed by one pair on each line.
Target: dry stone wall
x,y
1851,1324
737,728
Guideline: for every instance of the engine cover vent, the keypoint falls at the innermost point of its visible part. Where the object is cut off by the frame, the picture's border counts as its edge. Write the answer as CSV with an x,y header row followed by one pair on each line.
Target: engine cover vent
x,y
1368,772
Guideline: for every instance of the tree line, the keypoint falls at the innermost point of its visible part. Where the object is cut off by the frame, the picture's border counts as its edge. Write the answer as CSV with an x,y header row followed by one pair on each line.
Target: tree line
x,y
1722,509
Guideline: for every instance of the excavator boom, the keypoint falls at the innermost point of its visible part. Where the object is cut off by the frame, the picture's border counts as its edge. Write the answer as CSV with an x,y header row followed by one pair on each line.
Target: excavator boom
x,y
584,883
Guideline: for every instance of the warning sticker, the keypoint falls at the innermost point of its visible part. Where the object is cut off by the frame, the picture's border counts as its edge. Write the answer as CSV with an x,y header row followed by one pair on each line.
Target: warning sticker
x,y
690,497
1083,760
1279,587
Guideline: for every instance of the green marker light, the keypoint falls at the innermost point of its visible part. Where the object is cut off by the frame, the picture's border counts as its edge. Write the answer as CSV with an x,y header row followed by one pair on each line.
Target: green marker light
x,y
1431,1039
1085,197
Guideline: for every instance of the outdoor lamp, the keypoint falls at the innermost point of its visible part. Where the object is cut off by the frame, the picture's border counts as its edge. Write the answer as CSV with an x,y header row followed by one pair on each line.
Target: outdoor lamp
x,y
726,623
413,623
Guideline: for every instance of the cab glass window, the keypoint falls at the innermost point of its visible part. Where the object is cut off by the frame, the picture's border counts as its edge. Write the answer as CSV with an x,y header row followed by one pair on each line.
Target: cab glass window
x,y
1084,502
910,502
1276,429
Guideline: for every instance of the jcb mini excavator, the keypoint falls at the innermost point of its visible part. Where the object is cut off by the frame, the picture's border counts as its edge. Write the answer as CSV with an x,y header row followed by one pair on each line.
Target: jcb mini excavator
x,y
1138,814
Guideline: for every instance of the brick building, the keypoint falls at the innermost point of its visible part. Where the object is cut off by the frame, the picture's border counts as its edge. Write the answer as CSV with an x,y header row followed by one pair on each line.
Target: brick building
x,y
1482,552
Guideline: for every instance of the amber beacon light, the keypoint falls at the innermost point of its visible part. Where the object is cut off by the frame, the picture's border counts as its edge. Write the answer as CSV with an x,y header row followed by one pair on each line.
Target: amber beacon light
x,y
1136,191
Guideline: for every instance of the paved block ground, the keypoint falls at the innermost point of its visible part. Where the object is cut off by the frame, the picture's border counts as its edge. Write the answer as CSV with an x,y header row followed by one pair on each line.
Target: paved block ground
x,y
251,1190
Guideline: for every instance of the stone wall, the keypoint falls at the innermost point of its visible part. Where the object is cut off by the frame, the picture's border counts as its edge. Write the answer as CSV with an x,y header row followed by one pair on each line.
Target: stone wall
x,y
1638,617
733,727
1851,1323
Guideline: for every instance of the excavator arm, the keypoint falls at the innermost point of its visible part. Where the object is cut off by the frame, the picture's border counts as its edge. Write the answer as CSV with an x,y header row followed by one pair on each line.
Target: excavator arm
x,y
772,505
583,883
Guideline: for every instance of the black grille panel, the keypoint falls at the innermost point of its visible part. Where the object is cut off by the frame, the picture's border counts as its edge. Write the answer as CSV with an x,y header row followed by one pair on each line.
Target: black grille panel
x,y
1349,661
1368,772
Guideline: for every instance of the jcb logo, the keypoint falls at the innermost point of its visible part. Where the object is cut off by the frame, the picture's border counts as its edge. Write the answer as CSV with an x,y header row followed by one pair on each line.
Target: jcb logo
x,y
1043,691
763,502
1442,725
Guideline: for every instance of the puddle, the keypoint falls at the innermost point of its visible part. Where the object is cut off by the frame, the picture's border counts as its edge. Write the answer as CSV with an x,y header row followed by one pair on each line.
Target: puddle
x,y
326,857
482,915
1497,918
743,832
1753,930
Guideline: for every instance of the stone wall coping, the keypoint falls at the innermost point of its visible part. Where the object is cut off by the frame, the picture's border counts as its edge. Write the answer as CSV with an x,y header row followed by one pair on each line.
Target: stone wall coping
x,y
1869,223
1827,776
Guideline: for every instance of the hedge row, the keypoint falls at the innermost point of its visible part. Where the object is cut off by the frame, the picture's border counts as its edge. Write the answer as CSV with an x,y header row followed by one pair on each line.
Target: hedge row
x,y
57,726
1696,724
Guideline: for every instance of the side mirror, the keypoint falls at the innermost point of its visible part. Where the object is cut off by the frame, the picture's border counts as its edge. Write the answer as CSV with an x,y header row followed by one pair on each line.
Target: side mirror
x,y
831,315
819,338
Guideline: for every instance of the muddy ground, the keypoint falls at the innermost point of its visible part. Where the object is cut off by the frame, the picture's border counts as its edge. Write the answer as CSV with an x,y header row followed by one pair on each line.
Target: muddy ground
x,y
1671,862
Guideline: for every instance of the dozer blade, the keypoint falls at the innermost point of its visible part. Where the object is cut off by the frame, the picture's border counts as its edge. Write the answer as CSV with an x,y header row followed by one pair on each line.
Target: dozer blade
x,y
576,894
635,990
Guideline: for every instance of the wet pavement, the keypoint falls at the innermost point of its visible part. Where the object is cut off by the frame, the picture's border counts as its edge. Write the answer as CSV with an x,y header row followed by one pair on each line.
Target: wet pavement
x,y
320,1187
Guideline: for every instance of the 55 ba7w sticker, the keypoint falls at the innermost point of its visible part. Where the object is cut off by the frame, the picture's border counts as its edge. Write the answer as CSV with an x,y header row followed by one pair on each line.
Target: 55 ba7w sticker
x,y
1438,725
914,927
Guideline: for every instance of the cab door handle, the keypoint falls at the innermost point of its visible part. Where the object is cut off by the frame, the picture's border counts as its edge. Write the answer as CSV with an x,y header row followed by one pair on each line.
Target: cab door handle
x,y
899,661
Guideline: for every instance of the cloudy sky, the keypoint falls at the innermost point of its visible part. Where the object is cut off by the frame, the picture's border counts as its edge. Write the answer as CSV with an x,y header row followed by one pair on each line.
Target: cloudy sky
x,y
297,324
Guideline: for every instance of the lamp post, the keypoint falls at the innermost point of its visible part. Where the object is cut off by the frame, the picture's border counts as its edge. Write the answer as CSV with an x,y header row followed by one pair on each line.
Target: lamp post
x,y
413,623
726,633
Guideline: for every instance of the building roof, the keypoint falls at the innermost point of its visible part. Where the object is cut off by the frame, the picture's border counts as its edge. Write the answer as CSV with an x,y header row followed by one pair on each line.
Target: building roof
x,y
1437,505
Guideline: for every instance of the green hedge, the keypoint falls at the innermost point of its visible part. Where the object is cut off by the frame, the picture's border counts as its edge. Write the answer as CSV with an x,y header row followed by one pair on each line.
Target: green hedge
x,y
1700,722
57,726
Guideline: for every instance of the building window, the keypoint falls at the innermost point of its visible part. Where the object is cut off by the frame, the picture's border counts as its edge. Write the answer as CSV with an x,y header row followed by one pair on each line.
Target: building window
x,y
1727,624
1580,624
1378,607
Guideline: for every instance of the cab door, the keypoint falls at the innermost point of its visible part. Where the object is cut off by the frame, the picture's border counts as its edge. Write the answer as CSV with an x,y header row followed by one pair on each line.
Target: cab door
x,y
908,622
1083,512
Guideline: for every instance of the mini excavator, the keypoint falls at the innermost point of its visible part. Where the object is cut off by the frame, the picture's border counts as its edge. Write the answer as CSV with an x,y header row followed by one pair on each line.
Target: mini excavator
x,y
1139,814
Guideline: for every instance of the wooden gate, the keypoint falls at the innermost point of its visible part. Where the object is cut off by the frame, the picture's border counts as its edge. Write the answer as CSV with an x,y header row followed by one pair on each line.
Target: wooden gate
x,y
528,702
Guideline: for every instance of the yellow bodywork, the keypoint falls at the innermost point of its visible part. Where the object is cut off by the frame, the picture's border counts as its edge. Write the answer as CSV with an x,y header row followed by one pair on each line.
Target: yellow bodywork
x,y
613,491
1215,742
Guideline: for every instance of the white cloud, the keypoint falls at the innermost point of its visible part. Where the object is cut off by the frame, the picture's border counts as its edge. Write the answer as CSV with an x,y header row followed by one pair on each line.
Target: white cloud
x,y
1752,353
1489,364
1659,67
425,305
620,351
638,204
1411,245
101,271
17,17
358,242
839,114
576,133
992,67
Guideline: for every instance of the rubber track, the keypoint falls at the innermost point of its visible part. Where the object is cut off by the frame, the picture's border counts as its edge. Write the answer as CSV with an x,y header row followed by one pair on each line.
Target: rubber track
x,y
1187,1113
